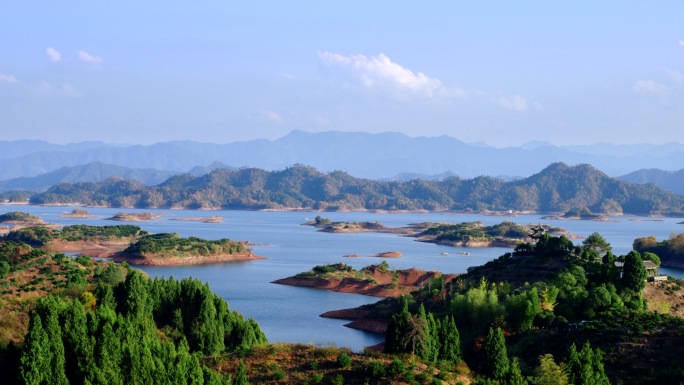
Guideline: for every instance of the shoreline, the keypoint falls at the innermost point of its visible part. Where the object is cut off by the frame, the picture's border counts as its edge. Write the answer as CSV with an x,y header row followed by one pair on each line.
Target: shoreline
x,y
503,213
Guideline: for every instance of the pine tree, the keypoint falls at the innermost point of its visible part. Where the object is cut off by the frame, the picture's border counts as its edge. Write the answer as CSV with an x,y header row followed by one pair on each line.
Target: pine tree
x,y
515,377
78,349
395,341
573,365
241,375
633,272
35,360
549,372
48,308
450,341
497,356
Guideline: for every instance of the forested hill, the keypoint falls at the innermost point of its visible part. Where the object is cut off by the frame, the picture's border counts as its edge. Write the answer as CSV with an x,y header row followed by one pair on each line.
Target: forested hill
x,y
557,188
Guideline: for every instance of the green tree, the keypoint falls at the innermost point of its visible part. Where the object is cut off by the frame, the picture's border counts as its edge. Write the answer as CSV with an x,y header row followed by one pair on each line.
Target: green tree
x,y
515,377
241,375
648,256
35,360
549,372
597,243
4,269
450,341
633,272
497,355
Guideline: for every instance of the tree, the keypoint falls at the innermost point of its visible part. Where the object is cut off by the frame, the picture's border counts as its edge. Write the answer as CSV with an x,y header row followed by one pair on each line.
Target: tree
x,y
549,372
35,360
241,375
596,242
515,377
450,341
648,256
497,356
633,272
395,341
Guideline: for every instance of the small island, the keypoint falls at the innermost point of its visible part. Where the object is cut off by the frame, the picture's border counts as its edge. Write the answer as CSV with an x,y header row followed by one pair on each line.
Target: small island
x,y
78,213
375,280
467,234
21,218
328,226
134,217
474,234
169,249
214,219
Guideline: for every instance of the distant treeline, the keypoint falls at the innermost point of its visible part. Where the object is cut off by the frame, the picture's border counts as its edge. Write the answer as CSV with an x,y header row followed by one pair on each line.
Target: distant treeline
x,y
558,188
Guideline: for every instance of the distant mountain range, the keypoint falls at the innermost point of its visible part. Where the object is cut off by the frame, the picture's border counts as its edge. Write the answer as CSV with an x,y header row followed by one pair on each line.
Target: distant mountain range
x,y
672,181
365,155
97,172
557,188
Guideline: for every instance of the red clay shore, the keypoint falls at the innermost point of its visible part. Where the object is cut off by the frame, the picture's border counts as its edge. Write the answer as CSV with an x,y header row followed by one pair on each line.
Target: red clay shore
x,y
380,284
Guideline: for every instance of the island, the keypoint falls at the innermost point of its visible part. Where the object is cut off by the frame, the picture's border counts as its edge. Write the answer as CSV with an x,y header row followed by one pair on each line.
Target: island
x,y
326,225
467,234
134,217
169,249
78,213
213,219
133,245
375,280
21,218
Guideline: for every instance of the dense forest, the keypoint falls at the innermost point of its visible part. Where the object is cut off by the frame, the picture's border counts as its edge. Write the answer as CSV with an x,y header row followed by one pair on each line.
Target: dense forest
x,y
548,313
78,321
558,188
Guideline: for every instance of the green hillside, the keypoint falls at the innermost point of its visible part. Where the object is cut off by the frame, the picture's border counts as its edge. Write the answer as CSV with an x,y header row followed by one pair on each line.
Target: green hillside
x,y
557,188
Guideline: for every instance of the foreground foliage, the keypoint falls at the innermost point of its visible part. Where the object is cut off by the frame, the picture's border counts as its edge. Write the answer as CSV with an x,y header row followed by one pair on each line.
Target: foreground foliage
x,y
104,324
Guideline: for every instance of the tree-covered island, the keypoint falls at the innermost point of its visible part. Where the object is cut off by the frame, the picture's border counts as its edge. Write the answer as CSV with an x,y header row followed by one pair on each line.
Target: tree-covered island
x,y
132,244
465,234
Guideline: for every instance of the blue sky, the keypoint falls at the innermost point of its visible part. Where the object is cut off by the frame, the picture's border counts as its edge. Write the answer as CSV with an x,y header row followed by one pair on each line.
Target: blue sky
x,y
500,72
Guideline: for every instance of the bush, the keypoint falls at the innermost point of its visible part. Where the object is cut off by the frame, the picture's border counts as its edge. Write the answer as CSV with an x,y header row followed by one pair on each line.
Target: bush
x,y
344,360
376,369
396,368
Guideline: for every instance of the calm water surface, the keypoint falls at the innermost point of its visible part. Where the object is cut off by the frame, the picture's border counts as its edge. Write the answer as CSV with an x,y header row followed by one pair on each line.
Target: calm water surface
x,y
291,314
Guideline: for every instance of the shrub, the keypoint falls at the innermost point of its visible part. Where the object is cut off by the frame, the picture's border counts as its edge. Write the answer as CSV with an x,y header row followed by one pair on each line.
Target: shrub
x,y
396,368
344,360
376,369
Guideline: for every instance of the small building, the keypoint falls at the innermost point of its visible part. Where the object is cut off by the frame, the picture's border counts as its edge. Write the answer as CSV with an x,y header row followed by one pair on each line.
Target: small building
x,y
652,271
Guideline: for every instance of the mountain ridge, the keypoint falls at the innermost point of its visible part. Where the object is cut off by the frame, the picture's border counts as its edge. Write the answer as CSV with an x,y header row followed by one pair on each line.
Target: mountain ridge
x,y
556,188
367,155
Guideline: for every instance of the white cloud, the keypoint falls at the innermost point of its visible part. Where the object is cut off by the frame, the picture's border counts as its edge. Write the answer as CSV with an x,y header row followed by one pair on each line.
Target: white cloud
x,y
648,86
53,54
8,79
88,58
681,43
272,116
380,72
677,76
514,103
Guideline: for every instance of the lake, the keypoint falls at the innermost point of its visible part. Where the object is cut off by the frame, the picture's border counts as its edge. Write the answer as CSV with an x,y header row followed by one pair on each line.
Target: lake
x,y
291,314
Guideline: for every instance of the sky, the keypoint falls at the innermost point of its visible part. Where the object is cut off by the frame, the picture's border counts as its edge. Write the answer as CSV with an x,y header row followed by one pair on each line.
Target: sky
x,y
500,72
